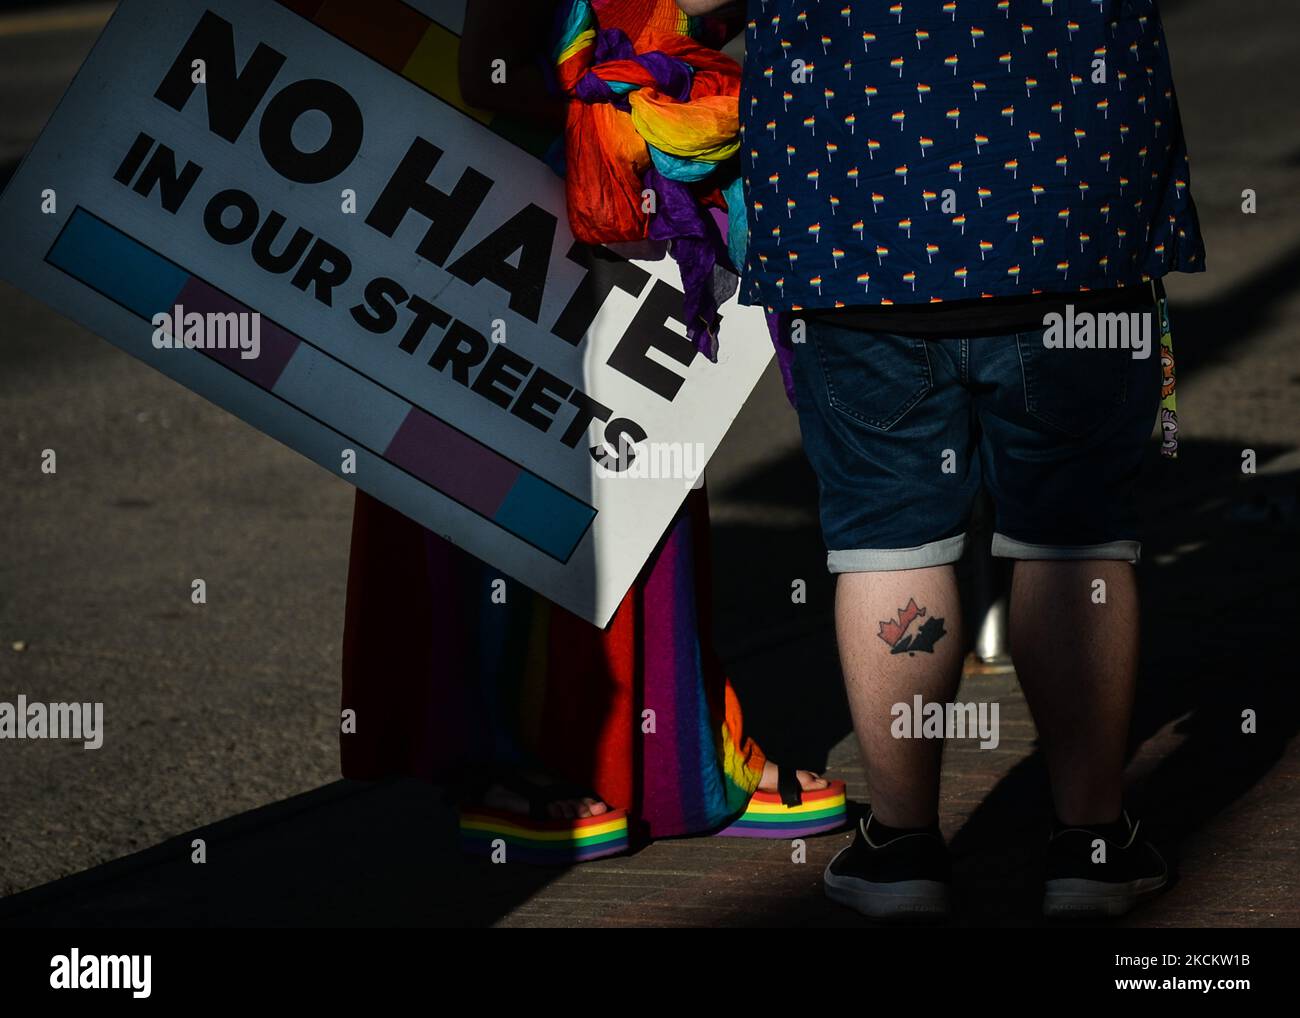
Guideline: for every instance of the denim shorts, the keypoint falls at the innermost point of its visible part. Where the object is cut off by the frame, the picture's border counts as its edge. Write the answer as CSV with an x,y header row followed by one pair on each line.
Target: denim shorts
x,y
902,432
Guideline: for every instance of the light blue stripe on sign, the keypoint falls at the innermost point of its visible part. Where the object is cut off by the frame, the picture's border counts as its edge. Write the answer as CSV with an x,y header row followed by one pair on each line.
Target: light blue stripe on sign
x,y
117,266
545,516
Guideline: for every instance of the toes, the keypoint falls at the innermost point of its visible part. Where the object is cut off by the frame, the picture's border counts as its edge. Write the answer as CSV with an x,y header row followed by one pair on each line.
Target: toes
x,y
498,796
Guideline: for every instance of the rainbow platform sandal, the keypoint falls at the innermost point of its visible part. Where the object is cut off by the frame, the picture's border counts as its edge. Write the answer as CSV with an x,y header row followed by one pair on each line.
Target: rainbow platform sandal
x,y
790,811
536,838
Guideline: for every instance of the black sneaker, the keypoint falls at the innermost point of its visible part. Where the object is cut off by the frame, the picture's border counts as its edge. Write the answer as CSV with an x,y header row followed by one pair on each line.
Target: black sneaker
x,y
1079,887
900,877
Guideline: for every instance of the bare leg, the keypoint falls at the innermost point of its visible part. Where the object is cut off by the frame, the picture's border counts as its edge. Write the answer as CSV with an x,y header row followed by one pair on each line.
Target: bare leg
x,y
902,774
1077,663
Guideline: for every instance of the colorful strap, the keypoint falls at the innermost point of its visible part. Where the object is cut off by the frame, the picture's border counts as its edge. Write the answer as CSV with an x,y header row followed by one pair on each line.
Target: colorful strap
x,y
1168,380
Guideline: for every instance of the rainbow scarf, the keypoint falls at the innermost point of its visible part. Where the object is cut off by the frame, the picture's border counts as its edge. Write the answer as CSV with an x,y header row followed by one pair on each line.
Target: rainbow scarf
x,y
645,141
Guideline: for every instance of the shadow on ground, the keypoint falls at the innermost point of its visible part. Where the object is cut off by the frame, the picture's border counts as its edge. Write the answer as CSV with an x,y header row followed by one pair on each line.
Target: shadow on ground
x,y
347,854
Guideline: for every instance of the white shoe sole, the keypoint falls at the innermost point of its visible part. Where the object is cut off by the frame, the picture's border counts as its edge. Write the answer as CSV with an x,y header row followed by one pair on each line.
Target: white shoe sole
x,y
1074,898
902,899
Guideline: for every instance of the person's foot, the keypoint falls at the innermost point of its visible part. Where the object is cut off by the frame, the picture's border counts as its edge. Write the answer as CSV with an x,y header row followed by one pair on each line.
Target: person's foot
x,y
891,874
808,780
499,797
1100,872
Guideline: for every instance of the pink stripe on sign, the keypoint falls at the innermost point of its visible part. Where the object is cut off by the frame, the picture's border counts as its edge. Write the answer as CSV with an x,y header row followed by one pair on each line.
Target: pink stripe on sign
x,y
459,466
277,345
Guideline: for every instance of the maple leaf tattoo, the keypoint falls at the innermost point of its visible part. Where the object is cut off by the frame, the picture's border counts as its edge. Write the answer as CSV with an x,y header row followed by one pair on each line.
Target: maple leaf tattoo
x,y
901,637
892,632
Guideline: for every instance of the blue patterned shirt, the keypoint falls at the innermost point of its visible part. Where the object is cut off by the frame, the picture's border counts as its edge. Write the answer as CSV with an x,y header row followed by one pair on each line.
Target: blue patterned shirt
x,y
921,151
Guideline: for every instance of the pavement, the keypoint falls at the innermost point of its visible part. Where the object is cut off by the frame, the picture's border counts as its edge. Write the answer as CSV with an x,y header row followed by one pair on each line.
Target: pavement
x,y
224,719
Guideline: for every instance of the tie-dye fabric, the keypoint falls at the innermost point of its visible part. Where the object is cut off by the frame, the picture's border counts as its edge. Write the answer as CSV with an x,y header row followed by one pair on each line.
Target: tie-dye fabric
x,y
654,113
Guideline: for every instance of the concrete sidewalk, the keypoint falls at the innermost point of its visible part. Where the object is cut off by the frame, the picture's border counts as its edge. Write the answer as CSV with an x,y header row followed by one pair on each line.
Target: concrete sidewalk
x,y
384,854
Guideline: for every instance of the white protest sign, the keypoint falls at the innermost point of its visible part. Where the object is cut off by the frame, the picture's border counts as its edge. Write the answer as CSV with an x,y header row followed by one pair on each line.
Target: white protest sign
x,y
414,312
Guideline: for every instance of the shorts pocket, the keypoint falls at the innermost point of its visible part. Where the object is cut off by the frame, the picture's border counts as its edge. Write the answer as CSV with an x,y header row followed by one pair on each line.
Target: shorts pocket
x,y
873,377
1072,390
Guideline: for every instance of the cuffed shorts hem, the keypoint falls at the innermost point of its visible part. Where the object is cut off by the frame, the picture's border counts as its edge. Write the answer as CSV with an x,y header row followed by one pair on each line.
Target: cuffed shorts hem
x,y
888,560
1120,551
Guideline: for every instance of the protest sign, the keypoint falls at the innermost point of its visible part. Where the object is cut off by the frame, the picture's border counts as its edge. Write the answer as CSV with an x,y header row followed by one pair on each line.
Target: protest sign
x,y
289,209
